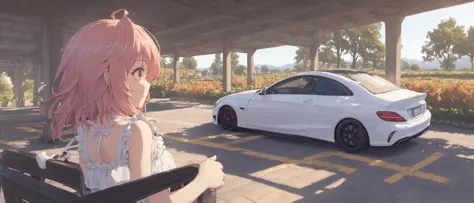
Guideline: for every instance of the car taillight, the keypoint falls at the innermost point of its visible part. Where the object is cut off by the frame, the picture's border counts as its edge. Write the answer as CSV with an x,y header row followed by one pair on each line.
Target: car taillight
x,y
390,116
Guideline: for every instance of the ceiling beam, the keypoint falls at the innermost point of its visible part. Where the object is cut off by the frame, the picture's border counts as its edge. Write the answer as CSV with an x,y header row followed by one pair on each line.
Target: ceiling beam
x,y
72,14
425,6
278,12
226,8
17,57
323,14
282,38
22,8
219,37
338,11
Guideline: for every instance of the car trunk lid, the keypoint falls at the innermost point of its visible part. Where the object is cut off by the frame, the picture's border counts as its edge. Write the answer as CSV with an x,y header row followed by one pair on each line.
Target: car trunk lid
x,y
407,103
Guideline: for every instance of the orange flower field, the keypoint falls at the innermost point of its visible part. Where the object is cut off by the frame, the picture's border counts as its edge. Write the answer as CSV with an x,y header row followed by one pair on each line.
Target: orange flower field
x,y
447,98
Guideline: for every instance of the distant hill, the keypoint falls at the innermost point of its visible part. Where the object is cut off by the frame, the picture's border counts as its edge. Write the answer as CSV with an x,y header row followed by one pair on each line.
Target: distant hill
x,y
282,67
462,63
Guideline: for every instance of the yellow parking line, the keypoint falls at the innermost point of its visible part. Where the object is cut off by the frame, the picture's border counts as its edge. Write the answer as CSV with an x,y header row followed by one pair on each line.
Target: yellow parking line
x,y
210,137
406,171
410,171
27,129
320,155
219,136
370,161
274,168
309,158
340,168
245,139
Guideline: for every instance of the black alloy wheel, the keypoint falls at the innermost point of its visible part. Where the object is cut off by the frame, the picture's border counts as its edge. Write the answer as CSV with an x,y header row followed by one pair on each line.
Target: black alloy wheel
x,y
228,118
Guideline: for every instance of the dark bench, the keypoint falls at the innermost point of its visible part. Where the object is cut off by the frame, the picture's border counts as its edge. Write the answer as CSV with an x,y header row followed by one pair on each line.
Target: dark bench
x,y
23,180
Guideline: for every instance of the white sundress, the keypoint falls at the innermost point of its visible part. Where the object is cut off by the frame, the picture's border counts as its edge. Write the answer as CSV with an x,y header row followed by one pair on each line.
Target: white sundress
x,y
100,176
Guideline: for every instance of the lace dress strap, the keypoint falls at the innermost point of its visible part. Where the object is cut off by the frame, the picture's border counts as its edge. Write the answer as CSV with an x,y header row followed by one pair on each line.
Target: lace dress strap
x,y
100,132
123,148
95,131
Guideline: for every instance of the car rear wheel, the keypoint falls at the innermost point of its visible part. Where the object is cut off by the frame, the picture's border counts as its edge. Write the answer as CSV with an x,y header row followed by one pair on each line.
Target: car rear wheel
x,y
228,118
351,136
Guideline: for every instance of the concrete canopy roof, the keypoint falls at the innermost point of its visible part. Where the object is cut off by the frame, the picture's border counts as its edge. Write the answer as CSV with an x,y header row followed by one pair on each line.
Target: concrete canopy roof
x,y
197,27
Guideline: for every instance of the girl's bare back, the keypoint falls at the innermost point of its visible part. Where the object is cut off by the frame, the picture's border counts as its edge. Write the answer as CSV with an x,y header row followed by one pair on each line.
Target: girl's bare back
x,y
109,145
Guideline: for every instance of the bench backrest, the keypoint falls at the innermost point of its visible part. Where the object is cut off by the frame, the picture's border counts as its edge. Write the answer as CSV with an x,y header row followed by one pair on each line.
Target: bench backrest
x,y
66,173
18,186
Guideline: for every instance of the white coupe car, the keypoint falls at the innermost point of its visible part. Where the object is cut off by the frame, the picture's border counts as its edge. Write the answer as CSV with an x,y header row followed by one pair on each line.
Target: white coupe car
x,y
351,108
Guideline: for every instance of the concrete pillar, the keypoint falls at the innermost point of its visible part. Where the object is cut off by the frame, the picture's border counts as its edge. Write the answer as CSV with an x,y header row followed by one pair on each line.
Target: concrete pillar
x,y
52,46
176,67
18,81
227,68
36,82
393,30
250,66
313,53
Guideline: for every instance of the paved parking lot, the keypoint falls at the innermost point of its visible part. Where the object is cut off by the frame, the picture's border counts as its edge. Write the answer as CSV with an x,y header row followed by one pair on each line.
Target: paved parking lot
x,y
437,167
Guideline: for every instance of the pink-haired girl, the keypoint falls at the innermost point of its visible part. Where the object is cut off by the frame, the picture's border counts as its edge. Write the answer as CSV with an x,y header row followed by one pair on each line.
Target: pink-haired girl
x,y
105,74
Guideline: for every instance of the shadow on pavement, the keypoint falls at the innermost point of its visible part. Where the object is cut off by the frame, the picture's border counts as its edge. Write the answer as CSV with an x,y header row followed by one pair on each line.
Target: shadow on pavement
x,y
20,110
159,105
27,137
366,184
451,129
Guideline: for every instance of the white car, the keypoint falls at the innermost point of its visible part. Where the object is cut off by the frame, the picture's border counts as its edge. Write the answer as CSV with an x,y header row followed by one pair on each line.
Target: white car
x,y
351,108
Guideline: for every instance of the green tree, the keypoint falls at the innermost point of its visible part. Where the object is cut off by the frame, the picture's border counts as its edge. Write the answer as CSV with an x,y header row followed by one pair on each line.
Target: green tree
x,y
444,44
234,59
362,40
326,56
216,66
205,72
257,70
302,59
405,65
373,50
376,54
414,67
275,71
6,90
189,63
167,62
468,46
240,70
264,69
355,47
339,45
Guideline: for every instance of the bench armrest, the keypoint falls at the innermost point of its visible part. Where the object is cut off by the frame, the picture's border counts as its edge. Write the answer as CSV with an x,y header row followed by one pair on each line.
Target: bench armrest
x,y
144,187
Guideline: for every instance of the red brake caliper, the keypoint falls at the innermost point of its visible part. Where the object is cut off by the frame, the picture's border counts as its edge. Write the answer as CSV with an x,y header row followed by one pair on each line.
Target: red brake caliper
x,y
232,115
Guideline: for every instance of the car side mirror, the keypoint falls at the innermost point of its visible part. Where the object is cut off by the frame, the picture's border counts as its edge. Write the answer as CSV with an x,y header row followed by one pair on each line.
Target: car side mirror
x,y
263,91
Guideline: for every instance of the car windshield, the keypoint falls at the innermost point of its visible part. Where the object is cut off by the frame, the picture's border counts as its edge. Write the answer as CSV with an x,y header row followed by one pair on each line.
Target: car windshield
x,y
373,83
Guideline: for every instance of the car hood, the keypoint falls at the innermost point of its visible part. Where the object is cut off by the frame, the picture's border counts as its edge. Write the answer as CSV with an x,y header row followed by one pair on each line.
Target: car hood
x,y
241,95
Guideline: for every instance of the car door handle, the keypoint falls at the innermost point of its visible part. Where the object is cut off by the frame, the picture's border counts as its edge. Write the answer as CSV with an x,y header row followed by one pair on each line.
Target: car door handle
x,y
308,101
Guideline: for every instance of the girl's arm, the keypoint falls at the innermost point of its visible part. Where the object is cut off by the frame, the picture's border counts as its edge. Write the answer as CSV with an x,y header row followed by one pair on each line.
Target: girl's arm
x,y
140,154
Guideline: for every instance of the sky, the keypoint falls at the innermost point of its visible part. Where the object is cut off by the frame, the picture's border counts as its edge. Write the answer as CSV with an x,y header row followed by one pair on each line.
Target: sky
x,y
414,30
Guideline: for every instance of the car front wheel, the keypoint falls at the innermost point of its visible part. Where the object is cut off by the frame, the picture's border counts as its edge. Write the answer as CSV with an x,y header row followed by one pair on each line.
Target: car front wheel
x,y
228,118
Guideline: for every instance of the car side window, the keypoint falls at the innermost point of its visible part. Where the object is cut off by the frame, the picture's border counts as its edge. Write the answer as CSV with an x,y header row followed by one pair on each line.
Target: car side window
x,y
295,85
330,87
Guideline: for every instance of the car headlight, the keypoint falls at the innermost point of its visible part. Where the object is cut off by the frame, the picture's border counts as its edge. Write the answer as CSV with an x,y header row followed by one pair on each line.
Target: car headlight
x,y
217,102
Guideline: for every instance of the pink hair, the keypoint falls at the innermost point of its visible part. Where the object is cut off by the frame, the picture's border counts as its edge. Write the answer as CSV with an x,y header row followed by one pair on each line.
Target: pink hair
x,y
83,93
